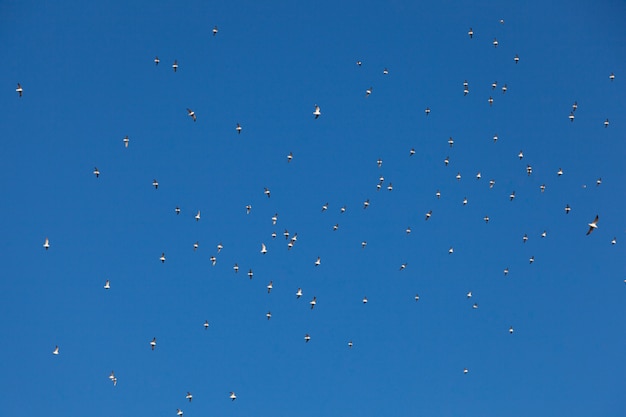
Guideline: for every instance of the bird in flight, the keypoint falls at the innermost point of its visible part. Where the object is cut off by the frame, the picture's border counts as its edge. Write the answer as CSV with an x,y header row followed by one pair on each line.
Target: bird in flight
x,y
162,258
470,33
263,248
368,92
270,286
46,244
313,302
155,184
307,338
19,89
516,58
126,141
299,293
198,216
175,66
567,209
189,396
153,343
113,378
317,112
191,114
238,128
107,285
266,191
495,43
206,324
96,172
593,225
215,30
156,60
56,350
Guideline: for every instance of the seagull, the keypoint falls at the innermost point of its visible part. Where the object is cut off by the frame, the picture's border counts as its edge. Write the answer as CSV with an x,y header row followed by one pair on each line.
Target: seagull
x,y
238,128
492,183
248,208
612,77
313,302
307,338
335,227
512,196
113,378
516,58
19,89
206,324
286,234
486,219
593,225
469,295
318,261
531,260
403,266
408,230
490,101
155,184
365,300
506,271
175,66
274,218
214,30
359,63
470,33
544,234
379,162
606,123
268,315
189,396
529,170
56,350
317,112
451,141
250,274
427,111
478,176
495,43
567,209
162,258
494,85
504,88
614,241
325,207
412,152
270,286
350,344
559,172
451,250
465,201
266,192
299,293
219,247
475,306
363,244
385,71
366,203
179,412
542,187
465,84
598,181
495,138
96,172
177,210
458,176
438,194
213,260
289,157
263,249
390,187
342,209
511,330
368,92
126,141
524,238
107,285
465,370
446,161
520,155
191,114
430,213
574,106
236,268
46,244
198,216
153,343
417,297
156,60
571,116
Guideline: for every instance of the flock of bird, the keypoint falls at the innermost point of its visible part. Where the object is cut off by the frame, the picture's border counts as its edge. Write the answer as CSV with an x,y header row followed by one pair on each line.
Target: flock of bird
x,y
292,238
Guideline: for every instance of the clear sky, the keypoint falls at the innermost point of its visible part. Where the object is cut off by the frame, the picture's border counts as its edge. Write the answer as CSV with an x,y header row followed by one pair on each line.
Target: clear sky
x,y
89,79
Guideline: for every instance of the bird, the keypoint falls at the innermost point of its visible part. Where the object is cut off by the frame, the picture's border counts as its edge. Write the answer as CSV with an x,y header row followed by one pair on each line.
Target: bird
x,y
385,71
177,210
494,85
520,155
214,30
365,300
113,378
403,266
390,187
465,370
512,196
248,209
495,138
614,241
593,225
524,238
274,218
162,258
324,207
46,244
379,162
438,194
559,172
464,201
542,187
598,182
611,76
606,123
451,141
408,230
469,294
458,176
155,184
350,344
56,350
299,293
96,172
238,128
213,260
363,244
219,247
336,226
430,213
451,250
478,175
286,234
486,219
307,338
366,203
318,261
153,343
417,297
574,106
206,324
236,268
126,141
492,183
504,88
266,191
359,63
191,114
270,286
544,234
313,302
470,33
446,161
427,111
567,209
175,66
368,92
511,330
490,101
475,306
19,90
263,248
268,315
531,260
198,216
506,271
495,43
189,396
529,170
289,157
107,285
179,412
342,209
156,60
571,116
317,112
250,274
516,58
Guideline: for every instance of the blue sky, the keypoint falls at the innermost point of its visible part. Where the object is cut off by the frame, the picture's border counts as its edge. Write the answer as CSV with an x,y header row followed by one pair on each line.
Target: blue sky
x,y
89,80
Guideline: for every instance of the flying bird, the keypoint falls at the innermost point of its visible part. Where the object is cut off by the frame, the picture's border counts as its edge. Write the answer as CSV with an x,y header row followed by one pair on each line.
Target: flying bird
x,y
156,60
365,300
490,101
248,209
318,261
299,293
427,111
451,141
606,123
96,172
612,77
19,89
368,92
470,33
593,225
206,325
268,315
250,274
307,338
430,213
266,191
191,114
238,128
504,88
46,244
516,58
317,112
189,396
270,286
313,302
215,30
571,116
177,210
155,184
385,71
56,350
175,66
263,249
162,258
153,343
567,209
198,216
107,285
236,268
126,141
495,43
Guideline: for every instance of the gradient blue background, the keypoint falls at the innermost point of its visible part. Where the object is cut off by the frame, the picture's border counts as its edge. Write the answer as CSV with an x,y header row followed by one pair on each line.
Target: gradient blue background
x,y
89,80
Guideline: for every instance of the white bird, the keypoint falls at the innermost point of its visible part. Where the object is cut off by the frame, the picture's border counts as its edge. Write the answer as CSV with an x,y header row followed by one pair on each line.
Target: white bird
x,y
268,315
574,106
567,209
317,112
385,71
179,412
465,201
408,230
504,88
153,343
46,244
162,258
325,207
451,250
219,247
238,128
342,209
478,176
470,33
318,261
451,141
571,116
215,30
495,43
350,344
379,162
366,203
189,396
365,300
412,152
289,157
494,85
175,66
213,260
593,225
96,172
56,350
490,100
612,77
390,187
363,244
446,161
614,241
465,370
520,155
506,271
417,297
266,191
156,60
492,183
598,182
512,196
403,266
511,330
427,111
248,209
313,302
516,58
359,63
206,324
438,194
113,378
529,170
606,123
307,338
559,172
486,219
107,285
542,187
544,234
336,226
495,138
274,218
155,184
263,249
191,114
236,268
531,260
177,210
270,286
368,92
250,274
475,306
126,141
458,176
19,89
524,238
430,213
299,293
469,295
198,216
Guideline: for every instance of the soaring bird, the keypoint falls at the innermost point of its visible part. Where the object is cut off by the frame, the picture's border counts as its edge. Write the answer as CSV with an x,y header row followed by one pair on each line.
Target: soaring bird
x,y
266,191
153,343
268,315
191,114
318,261
492,183
379,162
313,302
495,138
531,260
614,241
511,330
403,266
390,187
446,161
156,60
359,63
529,170
571,116
177,210
270,286
198,216
263,249
179,412
307,338
175,66
248,209
250,274
512,196
516,58
470,33
366,203
238,128
559,172
236,268
213,260
289,157
612,77
567,209
385,71
215,30
593,225
542,187
490,101
430,213
350,344
598,182
606,123
506,271
494,85
368,92
469,294
520,155
155,184
504,88
336,226
96,172
46,244
19,89
126,141
574,106
299,293
458,176
162,258
451,250
478,175
219,247
486,219
438,194
365,300
56,350
495,43
107,285
113,378
408,230
464,201
274,218
524,238
206,325
189,396
363,244
451,141
417,297
325,207
317,112
427,111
